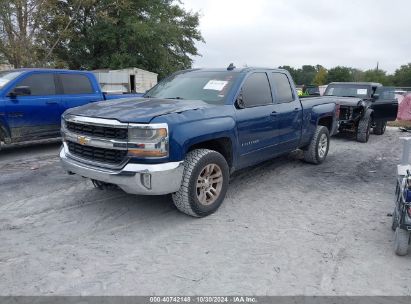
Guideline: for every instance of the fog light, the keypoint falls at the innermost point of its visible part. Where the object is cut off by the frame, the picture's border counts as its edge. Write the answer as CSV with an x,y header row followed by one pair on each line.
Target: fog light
x,y
146,180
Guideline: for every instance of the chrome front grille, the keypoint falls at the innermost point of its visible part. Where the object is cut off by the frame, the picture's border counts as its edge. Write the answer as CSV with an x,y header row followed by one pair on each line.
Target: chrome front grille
x,y
97,131
97,141
113,157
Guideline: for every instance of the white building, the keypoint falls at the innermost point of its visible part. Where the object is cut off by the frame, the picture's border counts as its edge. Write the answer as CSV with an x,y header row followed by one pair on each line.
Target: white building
x,y
5,67
126,80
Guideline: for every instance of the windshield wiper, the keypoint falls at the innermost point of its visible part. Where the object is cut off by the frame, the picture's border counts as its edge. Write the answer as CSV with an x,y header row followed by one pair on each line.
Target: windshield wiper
x,y
178,97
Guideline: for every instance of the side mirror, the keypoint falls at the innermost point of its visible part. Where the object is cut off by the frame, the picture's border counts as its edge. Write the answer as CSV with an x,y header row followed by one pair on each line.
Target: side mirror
x,y
240,101
375,96
20,91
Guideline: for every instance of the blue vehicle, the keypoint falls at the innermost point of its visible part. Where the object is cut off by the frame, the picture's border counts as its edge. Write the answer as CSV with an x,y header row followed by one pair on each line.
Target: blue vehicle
x,y
32,101
192,130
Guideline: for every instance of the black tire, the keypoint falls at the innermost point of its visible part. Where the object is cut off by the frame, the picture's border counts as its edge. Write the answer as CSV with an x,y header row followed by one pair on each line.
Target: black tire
x,y
379,128
394,223
401,240
364,127
187,198
312,153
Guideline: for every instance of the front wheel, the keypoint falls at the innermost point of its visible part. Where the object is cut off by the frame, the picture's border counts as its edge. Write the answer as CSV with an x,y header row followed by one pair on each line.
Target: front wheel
x,y
364,127
394,223
317,150
204,184
379,128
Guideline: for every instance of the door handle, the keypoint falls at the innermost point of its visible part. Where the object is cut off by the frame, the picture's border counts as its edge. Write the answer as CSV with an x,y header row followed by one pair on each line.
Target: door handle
x,y
273,113
296,109
51,102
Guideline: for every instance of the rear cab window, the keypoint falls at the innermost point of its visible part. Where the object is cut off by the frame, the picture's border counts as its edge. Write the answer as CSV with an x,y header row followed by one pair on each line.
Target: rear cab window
x,y
283,90
75,84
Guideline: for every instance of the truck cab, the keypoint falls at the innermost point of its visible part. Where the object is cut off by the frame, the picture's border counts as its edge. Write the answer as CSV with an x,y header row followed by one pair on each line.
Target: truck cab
x,y
32,101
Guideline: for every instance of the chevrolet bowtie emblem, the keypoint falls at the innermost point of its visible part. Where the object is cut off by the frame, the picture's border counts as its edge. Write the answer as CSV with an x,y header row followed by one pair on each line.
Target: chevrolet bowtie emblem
x,y
82,140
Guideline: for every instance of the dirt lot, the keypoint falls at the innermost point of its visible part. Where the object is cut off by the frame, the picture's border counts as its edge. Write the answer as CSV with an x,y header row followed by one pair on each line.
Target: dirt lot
x,y
285,228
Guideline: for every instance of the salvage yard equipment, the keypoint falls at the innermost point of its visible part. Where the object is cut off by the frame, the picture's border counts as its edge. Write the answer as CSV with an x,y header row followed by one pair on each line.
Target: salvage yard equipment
x,y
401,216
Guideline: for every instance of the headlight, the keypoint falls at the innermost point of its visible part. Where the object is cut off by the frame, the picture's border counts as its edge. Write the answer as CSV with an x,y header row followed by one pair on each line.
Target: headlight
x,y
63,124
63,129
148,141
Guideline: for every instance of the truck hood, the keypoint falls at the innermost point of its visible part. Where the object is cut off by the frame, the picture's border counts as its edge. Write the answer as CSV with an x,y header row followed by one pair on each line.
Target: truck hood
x,y
136,110
347,101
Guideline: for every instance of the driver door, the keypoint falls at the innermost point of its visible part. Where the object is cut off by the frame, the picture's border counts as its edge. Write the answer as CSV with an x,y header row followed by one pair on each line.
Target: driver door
x,y
385,105
256,121
36,114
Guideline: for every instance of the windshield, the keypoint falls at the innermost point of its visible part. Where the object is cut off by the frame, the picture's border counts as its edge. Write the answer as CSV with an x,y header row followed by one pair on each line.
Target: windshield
x,y
210,87
7,76
347,90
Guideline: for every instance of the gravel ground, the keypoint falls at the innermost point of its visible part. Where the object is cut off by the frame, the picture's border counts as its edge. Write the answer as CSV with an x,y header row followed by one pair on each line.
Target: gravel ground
x,y
285,228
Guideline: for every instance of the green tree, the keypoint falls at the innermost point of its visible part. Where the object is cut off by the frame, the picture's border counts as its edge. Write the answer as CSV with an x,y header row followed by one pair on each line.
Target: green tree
x,y
402,76
339,73
304,75
321,76
357,75
376,76
20,23
308,73
157,35
293,72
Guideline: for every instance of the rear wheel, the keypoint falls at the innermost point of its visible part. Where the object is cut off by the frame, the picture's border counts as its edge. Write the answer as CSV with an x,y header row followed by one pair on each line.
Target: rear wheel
x,y
401,240
364,127
379,128
317,150
204,185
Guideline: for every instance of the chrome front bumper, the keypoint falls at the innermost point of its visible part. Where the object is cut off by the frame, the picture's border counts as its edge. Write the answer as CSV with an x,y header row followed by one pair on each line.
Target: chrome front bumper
x,y
147,179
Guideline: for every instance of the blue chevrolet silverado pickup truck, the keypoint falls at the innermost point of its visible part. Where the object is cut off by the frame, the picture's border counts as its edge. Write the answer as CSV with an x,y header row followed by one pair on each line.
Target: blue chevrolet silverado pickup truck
x,y
192,130
32,101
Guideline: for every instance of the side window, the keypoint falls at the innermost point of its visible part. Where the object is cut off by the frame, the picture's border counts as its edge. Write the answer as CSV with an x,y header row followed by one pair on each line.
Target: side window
x,y
282,88
39,84
256,91
76,84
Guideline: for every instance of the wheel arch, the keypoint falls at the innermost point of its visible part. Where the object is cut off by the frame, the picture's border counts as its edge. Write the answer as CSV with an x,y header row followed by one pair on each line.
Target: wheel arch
x,y
222,145
326,121
3,132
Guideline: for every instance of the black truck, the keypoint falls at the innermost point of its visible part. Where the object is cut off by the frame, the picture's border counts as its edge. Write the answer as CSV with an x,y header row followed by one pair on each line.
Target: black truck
x,y
363,106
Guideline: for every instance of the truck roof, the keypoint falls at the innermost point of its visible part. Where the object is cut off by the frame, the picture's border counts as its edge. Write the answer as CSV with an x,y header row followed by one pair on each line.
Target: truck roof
x,y
374,84
235,70
52,70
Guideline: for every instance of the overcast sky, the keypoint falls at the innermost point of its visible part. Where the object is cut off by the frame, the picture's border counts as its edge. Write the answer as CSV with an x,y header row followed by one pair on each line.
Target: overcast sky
x,y
295,32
